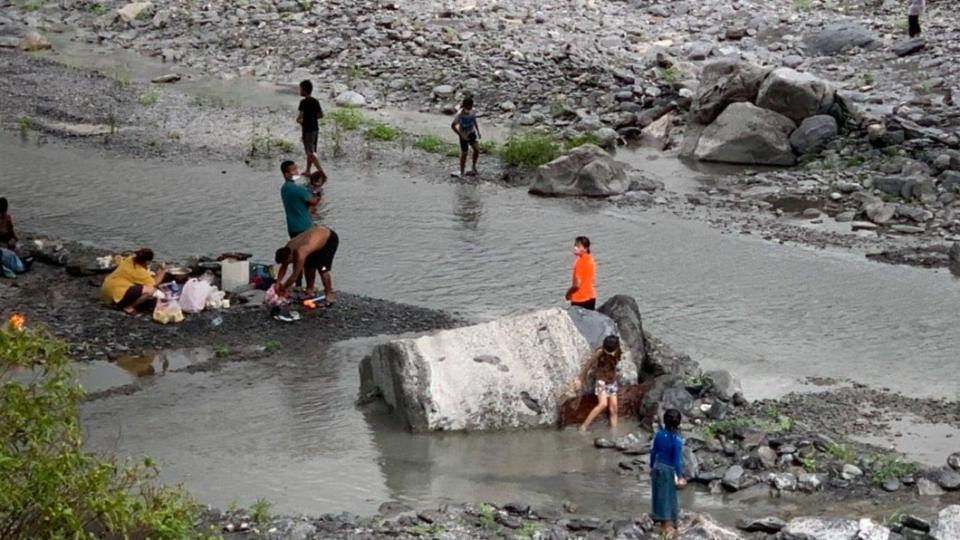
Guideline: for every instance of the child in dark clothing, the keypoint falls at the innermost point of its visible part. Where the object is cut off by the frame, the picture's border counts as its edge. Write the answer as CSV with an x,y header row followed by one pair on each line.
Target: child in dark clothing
x,y
309,117
666,472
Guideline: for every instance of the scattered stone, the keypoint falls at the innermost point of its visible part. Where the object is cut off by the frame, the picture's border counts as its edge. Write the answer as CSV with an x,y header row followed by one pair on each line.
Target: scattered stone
x,y
926,488
915,523
907,47
133,10
769,525
168,78
840,37
794,94
443,91
733,478
891,485
948,524
34,41
953,460
849,472
949,479
880,212
821,528
350,98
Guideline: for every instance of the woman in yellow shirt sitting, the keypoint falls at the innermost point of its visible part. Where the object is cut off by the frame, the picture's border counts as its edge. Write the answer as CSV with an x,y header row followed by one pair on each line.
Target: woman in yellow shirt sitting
x,y
131,284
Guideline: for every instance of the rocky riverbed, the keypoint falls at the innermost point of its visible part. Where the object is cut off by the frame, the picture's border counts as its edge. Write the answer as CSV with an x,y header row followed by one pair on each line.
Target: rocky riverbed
x,y
885,186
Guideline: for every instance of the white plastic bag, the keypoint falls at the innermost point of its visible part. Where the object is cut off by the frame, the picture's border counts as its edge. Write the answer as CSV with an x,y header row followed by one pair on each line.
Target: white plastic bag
x,y
215,298
193,298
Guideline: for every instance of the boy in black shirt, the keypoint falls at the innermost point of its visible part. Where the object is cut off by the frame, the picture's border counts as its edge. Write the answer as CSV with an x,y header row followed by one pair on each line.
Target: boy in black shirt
x,y
308,118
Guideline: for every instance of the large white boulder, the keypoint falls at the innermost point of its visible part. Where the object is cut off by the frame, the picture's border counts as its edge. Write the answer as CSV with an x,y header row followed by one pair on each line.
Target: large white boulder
x,y
508,373
747,134
948,523
587,170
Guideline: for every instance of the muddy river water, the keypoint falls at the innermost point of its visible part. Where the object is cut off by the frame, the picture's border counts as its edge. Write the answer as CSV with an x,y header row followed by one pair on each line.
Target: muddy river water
x,y
288,429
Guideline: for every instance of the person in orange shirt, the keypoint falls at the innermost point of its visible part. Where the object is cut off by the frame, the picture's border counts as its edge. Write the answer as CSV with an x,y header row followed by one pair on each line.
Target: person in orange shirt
x,y
582,292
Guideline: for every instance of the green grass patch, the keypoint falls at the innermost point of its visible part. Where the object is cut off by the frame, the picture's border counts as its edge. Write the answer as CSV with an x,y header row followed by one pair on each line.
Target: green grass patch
x,y
347,119
488,147
529,150
305,5
260,511
842,453
356,71
220,350
149,97
383,132
24,124
529,530
804,6
487,518
726,427
868,79
436,145
670,75
98,9
889,466
580,140
33,5
273,346
809,463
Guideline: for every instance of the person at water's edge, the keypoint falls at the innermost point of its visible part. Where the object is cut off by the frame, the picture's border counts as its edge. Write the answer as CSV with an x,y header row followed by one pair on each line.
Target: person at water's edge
x,y
298,202
309,117
131,287
311,252
604,363
8,236
468,130
666,473
914,10
582,291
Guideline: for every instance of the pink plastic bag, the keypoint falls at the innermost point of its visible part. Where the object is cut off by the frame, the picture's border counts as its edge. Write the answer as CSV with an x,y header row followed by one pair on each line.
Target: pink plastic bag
x,y
272,298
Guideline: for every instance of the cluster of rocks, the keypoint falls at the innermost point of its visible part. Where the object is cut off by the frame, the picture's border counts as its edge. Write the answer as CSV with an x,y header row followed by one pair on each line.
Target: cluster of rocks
x,y
520,520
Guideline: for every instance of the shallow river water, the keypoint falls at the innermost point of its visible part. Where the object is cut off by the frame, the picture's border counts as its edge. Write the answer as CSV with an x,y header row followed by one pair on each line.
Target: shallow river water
x,y
289,431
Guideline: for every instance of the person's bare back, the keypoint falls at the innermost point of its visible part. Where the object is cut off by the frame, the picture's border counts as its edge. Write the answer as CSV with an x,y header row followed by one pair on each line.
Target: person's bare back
x,y
305,243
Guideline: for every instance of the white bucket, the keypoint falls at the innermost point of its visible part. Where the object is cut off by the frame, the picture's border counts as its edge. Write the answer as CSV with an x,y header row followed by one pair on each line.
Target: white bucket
x,y
234,274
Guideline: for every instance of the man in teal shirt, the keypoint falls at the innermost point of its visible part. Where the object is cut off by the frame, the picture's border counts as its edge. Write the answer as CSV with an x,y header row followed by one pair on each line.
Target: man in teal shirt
x,y
298,202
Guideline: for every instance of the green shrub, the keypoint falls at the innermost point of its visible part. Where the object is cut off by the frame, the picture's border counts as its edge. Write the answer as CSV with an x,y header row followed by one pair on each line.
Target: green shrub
x,y
803,5
727,427
580,140
670,75
273,346
347,119
842,453
50,487
890,466
488,147
430,143
33,5
149,97
98,9
260,511
383,132
24,123
529,150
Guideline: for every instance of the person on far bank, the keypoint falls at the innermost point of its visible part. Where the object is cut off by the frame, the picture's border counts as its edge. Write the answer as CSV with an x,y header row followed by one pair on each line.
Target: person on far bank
x,y
131,286
914,10
582,291
466,127
666,473
604,363
308,117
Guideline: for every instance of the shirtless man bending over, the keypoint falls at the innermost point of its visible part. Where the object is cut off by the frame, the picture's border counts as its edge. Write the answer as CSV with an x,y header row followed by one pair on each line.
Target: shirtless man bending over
x,y
311,251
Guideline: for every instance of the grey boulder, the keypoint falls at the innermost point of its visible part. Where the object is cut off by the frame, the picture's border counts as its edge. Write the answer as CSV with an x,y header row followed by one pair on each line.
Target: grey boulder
x,y
839,37
948,524
722,82
747,134
814,133
585,171
795,95
820,529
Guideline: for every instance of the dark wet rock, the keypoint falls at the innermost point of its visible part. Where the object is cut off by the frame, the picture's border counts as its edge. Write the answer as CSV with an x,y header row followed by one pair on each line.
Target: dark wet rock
x,y
949,181
915,523
795,95
747,134
604,443
625,313
517,508
949,479
392,508
584,524
733,478
584,171
168,78
667,392
839,37
508,521
907,47
770,525
953,460
813,134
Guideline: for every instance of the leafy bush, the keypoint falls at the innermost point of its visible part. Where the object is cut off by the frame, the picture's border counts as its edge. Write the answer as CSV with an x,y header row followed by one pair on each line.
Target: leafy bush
x,y
580,140
529,150
383,132
347,119
842,453
890,466
149,97
49,486
671,75
727,427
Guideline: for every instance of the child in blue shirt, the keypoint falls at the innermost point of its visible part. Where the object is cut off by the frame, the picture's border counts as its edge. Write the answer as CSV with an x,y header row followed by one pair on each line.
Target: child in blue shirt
x,y
666,472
